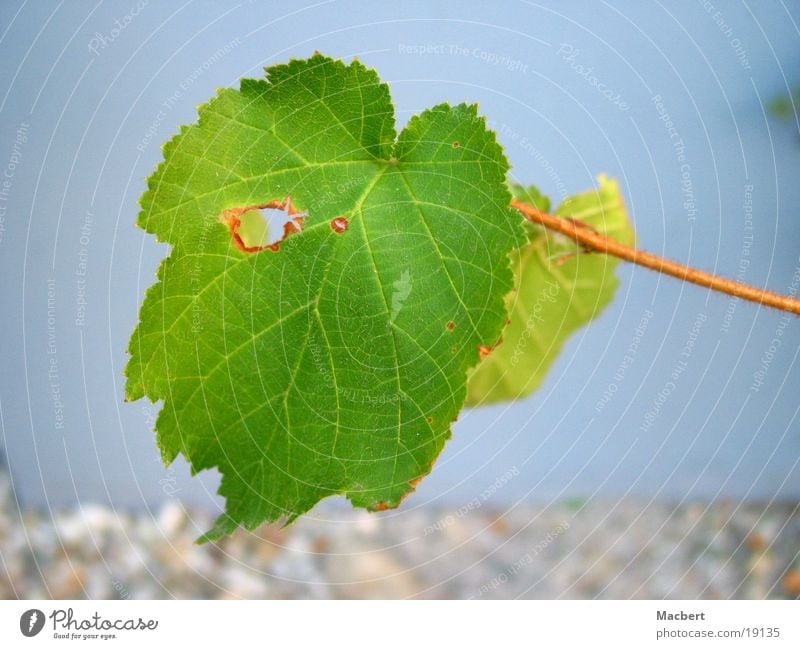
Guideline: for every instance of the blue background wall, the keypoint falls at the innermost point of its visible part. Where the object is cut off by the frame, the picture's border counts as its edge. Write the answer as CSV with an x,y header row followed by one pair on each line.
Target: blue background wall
x,y
93,106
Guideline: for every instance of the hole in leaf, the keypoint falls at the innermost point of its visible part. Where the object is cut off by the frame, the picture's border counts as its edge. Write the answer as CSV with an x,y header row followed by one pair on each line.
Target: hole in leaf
x,y
254,226
260,227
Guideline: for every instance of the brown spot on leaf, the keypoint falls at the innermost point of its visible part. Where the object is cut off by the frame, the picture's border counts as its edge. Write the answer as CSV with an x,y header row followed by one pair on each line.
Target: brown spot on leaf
x,y
456,144
451,325
484,351
233,219
381,507
415,481
339,224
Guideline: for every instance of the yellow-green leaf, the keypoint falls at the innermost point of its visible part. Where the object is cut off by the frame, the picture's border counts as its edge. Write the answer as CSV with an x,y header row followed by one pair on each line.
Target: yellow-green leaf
x,y
559,289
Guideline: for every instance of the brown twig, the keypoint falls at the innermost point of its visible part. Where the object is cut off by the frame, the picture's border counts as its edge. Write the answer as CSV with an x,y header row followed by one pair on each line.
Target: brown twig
x,y
590,239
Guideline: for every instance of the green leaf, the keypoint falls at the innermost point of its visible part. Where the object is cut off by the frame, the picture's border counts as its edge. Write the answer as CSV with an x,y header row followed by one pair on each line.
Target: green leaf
x,y
336,363
532,196
559,290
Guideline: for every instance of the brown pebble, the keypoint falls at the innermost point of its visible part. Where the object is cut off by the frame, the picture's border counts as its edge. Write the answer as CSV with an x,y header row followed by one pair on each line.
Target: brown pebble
x,y
791,582
500,526
755,542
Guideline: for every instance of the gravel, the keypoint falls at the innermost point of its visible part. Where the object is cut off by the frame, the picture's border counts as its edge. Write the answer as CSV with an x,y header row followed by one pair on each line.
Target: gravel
x,y
614,550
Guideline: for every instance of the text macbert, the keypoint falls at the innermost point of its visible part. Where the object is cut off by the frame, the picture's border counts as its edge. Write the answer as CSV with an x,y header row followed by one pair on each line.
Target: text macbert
x,y
681,615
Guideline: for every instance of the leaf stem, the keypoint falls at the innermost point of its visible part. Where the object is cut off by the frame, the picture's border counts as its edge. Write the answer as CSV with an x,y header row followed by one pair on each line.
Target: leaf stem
x,y
592,240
